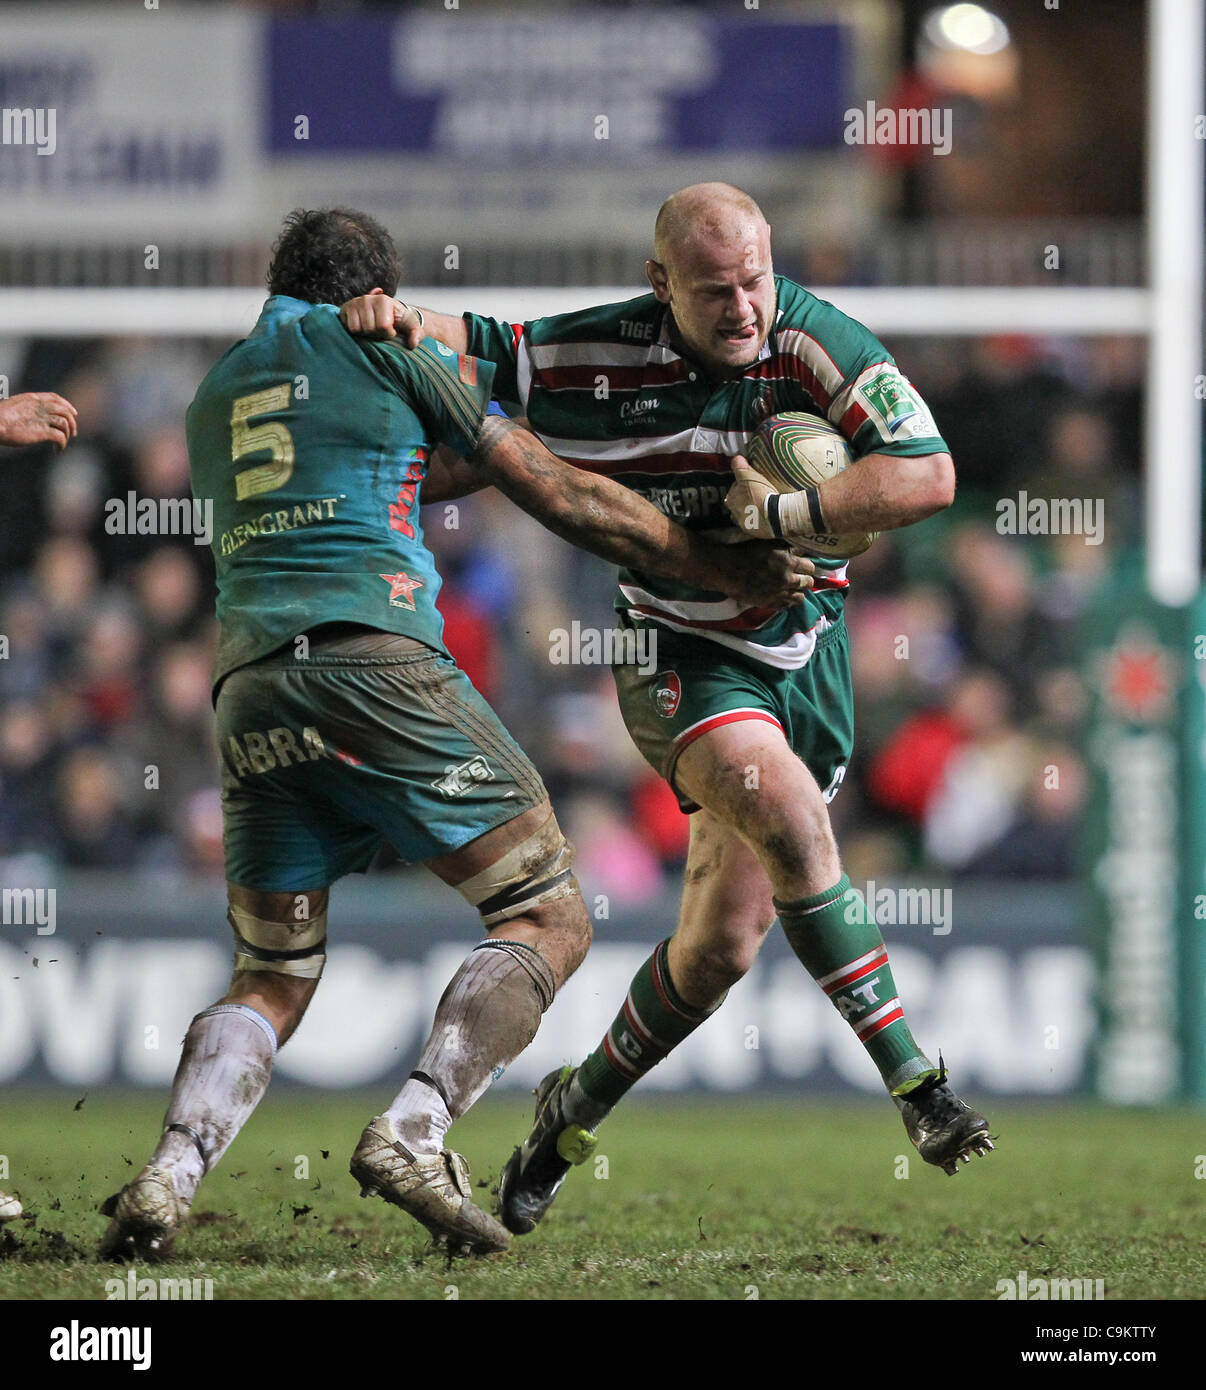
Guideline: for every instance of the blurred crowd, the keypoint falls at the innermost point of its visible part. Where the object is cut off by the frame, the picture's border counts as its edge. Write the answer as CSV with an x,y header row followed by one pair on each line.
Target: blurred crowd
x,y
969,697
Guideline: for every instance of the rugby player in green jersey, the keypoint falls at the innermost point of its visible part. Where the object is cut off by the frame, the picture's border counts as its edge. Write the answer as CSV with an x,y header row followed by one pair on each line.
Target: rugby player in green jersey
x,y
749,714
344,724
34,417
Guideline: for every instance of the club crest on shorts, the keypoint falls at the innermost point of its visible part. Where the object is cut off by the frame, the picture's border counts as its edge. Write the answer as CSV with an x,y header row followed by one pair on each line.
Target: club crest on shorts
x,y
667,693
456,781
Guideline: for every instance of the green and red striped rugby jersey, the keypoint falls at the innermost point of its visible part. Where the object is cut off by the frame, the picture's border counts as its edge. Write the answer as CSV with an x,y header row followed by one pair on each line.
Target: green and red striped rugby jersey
x,y
605,389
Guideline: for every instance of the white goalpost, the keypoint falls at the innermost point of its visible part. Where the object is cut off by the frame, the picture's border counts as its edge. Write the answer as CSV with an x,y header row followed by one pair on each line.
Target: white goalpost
x,y
1175,194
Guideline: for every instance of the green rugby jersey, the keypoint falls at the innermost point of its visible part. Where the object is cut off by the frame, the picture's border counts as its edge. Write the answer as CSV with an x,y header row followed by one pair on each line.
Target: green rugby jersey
x,y
312,445
605,389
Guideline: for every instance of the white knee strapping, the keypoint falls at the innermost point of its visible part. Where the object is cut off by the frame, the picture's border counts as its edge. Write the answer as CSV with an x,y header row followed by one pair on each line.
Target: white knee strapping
x,y
538,870
284,948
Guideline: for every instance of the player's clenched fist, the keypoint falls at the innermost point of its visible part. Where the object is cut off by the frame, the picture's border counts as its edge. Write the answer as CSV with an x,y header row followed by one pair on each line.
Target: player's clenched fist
x,y
37,417
767,576
380,316
747,500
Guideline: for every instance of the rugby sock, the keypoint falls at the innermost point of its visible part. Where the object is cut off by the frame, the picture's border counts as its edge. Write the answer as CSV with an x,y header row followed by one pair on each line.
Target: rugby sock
x,y
653,1021
839,944
485,1018
223,1073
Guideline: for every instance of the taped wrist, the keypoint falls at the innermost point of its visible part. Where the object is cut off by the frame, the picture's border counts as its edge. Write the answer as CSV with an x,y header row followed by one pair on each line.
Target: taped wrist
x,y
412,309
794,514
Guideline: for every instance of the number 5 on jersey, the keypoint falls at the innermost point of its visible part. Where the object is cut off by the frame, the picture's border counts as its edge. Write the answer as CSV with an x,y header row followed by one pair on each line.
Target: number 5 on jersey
x,y
252,439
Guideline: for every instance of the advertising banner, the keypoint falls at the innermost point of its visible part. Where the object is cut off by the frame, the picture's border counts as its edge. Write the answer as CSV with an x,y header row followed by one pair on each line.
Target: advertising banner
x,y
1135,665
128,122
558,84
100,986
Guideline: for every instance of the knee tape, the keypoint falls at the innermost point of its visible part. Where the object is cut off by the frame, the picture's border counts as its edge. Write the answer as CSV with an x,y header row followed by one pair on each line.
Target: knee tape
x,y
536,871
284,948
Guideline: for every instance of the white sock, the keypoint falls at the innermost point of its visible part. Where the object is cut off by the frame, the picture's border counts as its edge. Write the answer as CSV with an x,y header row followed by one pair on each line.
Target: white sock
x,y
223,1073
488,1014
420,1117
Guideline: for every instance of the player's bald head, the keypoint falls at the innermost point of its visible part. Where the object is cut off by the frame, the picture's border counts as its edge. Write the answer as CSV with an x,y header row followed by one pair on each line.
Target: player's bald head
x,y
712,268
703,213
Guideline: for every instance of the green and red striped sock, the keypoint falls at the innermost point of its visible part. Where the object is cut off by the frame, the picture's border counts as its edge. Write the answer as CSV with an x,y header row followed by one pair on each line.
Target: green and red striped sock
x,y
653,1021
839,943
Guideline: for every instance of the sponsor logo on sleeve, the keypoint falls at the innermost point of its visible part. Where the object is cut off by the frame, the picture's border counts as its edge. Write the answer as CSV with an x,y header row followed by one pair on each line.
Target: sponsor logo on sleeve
x,y
891,400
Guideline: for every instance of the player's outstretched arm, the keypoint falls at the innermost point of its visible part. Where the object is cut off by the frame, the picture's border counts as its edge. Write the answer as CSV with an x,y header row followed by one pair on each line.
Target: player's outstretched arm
x,y
37,417
879,492
449,475
379,316
615,523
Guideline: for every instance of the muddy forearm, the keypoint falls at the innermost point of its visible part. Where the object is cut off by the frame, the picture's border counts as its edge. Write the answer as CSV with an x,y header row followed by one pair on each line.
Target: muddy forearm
x,y
595,513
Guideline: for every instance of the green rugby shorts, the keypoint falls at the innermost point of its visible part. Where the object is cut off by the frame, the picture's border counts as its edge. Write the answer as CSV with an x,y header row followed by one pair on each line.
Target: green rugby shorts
x,y
699,685
374,739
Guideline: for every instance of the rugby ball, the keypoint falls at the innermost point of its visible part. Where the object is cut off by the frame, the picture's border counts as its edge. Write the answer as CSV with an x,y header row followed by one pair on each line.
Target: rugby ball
x,y
796,450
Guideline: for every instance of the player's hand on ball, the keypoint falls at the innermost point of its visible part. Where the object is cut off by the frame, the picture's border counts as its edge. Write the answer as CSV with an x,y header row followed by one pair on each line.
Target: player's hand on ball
x,y
747,500
37,417
380,316
767,576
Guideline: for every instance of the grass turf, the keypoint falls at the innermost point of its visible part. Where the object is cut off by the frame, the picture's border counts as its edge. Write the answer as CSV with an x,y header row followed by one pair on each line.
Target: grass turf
x,y
734,1199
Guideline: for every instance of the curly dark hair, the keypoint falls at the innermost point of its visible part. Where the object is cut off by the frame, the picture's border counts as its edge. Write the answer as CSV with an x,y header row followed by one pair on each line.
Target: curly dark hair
x,y
332,255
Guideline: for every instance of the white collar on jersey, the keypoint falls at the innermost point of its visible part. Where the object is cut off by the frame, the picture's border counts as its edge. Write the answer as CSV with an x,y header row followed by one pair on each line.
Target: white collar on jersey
x,y
662,351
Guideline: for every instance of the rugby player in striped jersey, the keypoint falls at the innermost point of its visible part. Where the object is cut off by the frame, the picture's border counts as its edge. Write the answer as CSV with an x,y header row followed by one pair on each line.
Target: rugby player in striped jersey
x,y
34,417
749,713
